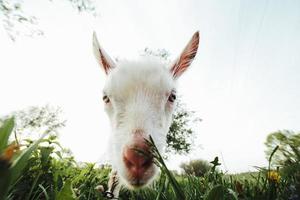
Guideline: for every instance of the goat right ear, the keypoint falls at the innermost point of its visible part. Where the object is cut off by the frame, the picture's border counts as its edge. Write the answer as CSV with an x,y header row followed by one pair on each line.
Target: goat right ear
x,y
102,57
186,57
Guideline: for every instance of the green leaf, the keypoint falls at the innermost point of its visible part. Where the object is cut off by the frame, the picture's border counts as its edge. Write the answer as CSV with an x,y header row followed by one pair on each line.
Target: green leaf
x,y
20,163
216,193
45,153
33,185
66,192
58,153
44,191
160,163
232,194
59,183
5,131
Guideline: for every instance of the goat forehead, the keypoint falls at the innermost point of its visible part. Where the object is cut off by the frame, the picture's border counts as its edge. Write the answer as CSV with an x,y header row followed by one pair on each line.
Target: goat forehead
x,y
150,78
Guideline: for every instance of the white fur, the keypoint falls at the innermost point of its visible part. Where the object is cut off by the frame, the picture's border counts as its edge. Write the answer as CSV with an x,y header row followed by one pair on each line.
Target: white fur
x,y
138,93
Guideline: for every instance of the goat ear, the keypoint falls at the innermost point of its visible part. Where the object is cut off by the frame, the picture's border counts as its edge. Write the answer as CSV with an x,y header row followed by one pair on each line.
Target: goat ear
x,y
186,57
102,57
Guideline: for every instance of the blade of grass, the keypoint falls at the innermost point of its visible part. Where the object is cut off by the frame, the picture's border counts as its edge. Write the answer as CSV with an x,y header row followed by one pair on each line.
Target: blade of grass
x,y
20,163
5,131
162,186
44,191
160,162
271,156
33,185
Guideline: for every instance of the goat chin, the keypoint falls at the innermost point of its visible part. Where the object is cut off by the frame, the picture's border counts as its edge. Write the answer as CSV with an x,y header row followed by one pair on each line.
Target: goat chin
x,y
133,184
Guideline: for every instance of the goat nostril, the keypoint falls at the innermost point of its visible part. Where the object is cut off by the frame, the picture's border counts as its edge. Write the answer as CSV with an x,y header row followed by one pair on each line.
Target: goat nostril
x,y
137,159
147,162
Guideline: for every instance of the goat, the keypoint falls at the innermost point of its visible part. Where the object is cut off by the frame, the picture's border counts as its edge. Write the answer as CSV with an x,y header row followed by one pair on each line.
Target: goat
x,y
139,98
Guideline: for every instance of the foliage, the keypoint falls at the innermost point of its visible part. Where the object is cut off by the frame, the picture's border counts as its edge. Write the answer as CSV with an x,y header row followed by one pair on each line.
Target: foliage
x,y
36,120
12,160
48,172
45,176
196,167
42,169
159,161
16,21
289,146
181,132
287,160
163,54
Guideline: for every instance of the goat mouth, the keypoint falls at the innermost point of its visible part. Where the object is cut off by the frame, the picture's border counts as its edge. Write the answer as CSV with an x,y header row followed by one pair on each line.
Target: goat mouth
x,y
135,173
138,183
139,180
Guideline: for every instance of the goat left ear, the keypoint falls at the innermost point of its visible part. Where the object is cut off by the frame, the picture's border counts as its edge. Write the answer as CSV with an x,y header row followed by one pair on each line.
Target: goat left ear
x,y
186,57
102,57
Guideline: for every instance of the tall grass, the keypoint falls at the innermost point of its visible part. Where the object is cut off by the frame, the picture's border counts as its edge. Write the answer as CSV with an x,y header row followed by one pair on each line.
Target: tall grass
x,y
34,170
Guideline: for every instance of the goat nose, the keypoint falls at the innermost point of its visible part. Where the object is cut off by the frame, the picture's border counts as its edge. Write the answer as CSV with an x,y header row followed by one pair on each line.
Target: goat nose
x,y
137,159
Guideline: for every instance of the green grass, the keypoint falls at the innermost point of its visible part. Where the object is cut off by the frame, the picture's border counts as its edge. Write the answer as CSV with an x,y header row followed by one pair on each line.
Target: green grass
x,y
43,170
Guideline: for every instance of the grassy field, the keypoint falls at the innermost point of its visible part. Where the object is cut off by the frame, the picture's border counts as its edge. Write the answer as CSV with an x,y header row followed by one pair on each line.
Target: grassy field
x,y
42,169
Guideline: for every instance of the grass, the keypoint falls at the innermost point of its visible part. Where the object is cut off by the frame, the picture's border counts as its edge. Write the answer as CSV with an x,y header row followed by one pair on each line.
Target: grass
x,y
42,170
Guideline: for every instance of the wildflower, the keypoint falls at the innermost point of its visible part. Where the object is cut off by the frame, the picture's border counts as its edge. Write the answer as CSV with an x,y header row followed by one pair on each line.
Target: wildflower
x,y
273,176
9,152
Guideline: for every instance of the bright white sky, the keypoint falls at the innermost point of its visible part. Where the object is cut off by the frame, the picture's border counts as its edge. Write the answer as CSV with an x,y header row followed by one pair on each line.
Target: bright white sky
x,y
244,82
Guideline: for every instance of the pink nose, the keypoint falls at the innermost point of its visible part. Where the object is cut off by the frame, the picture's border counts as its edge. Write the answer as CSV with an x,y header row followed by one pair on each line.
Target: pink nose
x,y
137,159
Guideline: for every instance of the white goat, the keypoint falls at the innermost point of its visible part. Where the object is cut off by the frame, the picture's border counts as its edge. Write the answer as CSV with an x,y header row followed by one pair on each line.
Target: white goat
x,y
139,98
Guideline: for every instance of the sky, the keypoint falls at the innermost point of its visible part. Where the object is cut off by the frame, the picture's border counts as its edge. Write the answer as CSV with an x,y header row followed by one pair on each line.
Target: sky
x,y
243,84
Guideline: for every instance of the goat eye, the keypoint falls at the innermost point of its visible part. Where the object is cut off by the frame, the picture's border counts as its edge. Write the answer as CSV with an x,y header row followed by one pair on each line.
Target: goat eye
x,y
106,99
172,97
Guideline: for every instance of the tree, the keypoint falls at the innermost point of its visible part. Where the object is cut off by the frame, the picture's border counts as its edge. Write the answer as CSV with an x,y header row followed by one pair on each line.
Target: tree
x,y
16,21
160,53
181,132
196,167
289,147
36,121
